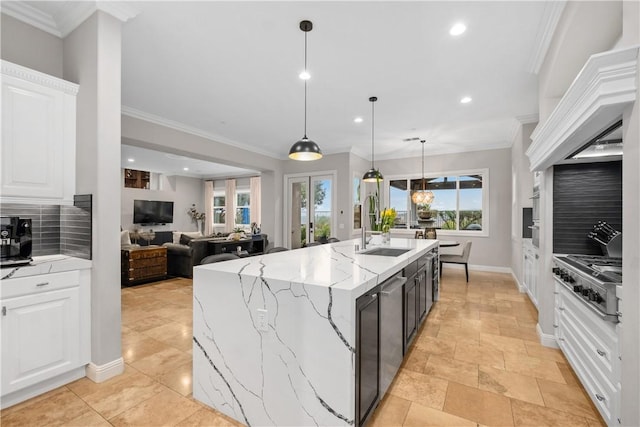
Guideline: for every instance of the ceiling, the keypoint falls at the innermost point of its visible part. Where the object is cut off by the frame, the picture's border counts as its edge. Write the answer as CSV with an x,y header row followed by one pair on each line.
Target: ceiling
x,y
171,164
230,70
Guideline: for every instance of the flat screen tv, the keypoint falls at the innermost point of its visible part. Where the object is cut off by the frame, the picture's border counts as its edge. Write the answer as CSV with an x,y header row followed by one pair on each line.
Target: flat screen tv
x,y
152,212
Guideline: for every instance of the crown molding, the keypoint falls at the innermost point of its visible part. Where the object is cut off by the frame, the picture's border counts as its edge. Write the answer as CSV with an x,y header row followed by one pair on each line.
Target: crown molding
x,y
172,124
27,74
449,150
526,119
69,15
605,86
550,18
32,16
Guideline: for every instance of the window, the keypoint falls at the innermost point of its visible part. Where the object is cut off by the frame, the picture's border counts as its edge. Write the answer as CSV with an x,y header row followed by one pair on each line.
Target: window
x,y
459,202
243,207
219,208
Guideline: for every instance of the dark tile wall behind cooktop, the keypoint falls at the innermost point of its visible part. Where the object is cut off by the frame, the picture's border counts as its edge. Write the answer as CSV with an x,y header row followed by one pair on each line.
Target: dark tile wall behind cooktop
x,y
584,194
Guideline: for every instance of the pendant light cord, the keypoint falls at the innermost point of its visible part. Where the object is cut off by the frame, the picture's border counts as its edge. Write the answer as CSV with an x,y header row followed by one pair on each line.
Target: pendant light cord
x,y
422,142
372,139
305,86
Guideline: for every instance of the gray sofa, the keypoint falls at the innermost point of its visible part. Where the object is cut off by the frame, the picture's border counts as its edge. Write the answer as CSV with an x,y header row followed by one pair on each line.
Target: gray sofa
x,y
182,258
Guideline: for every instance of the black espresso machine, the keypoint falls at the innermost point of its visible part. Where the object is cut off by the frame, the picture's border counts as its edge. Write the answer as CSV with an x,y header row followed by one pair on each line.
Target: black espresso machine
x,y
15,241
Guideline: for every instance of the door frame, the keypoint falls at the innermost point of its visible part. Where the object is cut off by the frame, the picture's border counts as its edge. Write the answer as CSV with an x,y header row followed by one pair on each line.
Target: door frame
x,y
286,232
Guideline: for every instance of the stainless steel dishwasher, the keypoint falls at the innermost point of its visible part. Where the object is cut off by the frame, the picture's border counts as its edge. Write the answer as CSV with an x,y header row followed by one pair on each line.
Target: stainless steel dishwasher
x,y
391,331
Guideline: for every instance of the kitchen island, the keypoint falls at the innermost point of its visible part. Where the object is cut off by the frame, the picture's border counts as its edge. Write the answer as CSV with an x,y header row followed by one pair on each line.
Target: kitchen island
x,y
274,335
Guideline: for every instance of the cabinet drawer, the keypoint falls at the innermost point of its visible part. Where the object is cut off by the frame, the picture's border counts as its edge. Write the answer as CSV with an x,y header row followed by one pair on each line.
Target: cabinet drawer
x,y
147,262
599,388
40,283
147,272
597,338
144,254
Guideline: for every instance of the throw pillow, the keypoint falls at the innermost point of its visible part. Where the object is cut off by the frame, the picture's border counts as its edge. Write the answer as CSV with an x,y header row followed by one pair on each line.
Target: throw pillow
x,y
124,238
178,234
185,240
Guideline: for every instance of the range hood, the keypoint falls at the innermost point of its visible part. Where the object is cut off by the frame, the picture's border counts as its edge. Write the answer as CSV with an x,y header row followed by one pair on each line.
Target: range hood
x,y
606,146
596,100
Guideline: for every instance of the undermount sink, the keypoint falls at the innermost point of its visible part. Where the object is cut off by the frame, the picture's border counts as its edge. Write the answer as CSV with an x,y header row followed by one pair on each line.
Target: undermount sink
x,y
385,251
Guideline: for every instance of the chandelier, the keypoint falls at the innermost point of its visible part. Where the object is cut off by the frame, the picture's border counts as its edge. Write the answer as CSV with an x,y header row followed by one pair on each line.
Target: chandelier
x,y
423,196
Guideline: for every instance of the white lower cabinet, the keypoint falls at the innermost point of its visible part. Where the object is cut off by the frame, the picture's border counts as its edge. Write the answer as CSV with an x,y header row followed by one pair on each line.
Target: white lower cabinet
x,y
45,333
530,271
590,344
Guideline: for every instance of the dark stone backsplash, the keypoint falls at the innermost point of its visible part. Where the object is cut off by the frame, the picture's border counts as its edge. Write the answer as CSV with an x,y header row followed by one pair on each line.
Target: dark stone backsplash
x,y
584,194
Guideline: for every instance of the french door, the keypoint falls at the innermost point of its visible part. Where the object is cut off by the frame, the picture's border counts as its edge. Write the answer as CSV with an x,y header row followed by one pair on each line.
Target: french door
x,y
310,217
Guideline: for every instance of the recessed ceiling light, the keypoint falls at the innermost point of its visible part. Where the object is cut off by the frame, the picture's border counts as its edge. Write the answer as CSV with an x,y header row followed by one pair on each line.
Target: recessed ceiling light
x,y
185,169
304,75
358,120
458,29
465,100
131,160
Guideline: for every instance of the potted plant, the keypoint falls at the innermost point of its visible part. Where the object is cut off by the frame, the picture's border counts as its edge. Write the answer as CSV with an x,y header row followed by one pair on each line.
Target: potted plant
x,y
237,234
322,232
424,211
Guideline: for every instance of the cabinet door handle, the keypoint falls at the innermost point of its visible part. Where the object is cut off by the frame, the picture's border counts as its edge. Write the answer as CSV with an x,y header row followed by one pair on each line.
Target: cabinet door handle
x,y
600,352
600,398
4,310
556,293
42,284
561,339
555,326
561,308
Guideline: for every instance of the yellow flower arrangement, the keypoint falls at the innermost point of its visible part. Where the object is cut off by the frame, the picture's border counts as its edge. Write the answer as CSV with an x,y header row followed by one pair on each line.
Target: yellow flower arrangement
x,y
388,219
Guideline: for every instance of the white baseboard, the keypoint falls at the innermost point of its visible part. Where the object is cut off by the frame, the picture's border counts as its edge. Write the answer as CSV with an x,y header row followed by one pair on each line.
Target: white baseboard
x,y
546,340
521,288
100,373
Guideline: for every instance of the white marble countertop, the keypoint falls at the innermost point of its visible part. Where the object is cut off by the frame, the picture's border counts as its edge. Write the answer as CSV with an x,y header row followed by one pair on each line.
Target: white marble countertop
x,y
336,265
44,265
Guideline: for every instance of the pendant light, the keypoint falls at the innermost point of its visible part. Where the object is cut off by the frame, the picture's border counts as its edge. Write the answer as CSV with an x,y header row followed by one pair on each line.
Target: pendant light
x,y
422,196
373,174
305,149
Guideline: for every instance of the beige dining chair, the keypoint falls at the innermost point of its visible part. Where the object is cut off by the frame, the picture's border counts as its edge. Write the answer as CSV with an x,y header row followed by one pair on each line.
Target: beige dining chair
x,y
458,259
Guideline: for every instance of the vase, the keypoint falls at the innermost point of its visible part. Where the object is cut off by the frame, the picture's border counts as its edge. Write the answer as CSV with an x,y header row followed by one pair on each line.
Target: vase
x,y
376,238
386,237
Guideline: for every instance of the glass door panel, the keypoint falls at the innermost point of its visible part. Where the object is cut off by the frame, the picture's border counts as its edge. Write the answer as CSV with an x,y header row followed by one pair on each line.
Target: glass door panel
x,y
321,229
298,225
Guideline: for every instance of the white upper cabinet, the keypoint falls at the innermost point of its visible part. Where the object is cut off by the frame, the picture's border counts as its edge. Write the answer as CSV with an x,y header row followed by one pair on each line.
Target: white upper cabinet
x,y
38,157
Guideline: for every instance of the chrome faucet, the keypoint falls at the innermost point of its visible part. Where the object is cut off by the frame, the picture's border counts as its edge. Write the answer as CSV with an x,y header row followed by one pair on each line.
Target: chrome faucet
x,y
363,243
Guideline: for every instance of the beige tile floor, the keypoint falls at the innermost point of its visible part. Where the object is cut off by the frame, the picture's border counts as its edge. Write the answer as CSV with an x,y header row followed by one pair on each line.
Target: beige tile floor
x,y
476,361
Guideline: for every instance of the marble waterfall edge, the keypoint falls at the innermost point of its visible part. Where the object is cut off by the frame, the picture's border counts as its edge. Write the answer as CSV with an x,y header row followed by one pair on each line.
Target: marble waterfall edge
x,y
299,371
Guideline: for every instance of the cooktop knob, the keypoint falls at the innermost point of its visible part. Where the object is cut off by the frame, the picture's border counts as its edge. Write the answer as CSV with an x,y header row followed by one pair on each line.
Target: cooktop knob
x,y
596,297
585,292
577,288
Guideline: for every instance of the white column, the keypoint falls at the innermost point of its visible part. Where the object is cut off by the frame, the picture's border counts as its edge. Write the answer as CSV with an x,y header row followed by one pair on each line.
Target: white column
x,y
92,58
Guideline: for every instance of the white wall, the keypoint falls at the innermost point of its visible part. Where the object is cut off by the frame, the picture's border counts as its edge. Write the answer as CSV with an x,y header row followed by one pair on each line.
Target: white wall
x,y
30,47
631,242
182,191
494,250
